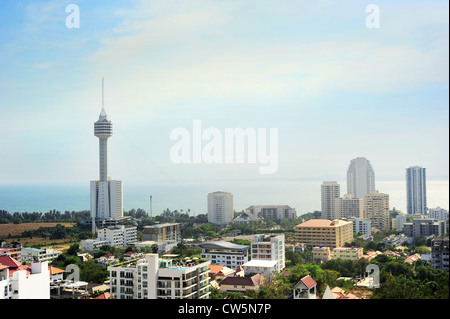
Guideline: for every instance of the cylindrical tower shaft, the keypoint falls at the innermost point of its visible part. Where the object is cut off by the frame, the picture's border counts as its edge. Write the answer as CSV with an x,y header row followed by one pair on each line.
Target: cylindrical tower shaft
x,y
103,151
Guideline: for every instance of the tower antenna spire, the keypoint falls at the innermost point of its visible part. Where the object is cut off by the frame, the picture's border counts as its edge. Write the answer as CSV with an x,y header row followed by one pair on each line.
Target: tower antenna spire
x,y
103,94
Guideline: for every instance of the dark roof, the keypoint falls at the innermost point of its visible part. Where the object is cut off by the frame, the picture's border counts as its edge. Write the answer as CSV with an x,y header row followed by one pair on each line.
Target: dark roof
x,y
222,245
244,281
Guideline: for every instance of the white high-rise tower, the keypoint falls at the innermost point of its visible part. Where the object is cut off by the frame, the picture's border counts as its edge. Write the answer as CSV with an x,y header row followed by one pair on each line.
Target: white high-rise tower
x,y
330,191
416,190
106,194
360,178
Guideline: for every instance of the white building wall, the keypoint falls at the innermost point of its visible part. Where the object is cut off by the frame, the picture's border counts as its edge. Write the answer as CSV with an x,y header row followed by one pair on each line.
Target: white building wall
x,y
360,178
220,208
438,213
34,286
330,191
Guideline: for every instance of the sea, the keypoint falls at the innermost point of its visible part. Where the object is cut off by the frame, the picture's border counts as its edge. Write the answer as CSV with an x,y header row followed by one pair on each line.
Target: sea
x,y
191,198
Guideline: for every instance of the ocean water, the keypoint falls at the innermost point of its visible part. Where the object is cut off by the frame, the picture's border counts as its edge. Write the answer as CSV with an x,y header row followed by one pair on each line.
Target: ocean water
x,y
303,196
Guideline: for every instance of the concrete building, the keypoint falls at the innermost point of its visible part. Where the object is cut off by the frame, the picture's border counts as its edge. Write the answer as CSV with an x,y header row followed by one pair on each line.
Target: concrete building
x,y
220,208
31,255
93,244
416,190
348,206
116,236
12,249
376,208
400,220
438,213
439,254
321,253
24,282
362,226
158,278
225,253
106,194
270,212
317,232
347,253
360,178
264,267
425,227
330,191
161,233
269,248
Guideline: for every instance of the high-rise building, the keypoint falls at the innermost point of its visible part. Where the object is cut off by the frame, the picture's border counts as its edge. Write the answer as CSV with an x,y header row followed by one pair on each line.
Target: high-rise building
x,y
360,177
416,190
348,206
376,208
330,191
106,194
220,208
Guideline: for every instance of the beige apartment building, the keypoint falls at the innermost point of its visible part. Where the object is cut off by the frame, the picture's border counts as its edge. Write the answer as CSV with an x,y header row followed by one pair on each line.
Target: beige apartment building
x,y
330,233
376,208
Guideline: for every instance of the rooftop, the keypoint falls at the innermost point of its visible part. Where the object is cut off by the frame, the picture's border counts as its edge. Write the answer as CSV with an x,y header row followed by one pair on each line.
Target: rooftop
x,y
323,223
308,281
222,245
260,263
254,280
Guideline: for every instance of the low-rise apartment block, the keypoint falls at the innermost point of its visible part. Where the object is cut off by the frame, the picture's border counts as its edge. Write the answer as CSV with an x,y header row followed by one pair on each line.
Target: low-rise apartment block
x,y
225,253
323,254
440,254
425,227
116,236
31,255
271,212
269,248
157,278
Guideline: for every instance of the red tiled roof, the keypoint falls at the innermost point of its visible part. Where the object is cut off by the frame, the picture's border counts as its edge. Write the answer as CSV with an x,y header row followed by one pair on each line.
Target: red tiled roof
x,y
308,282
214,269
105,295
10,262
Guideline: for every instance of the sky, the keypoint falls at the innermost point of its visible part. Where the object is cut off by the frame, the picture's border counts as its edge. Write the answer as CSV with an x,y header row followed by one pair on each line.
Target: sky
x,y
333,88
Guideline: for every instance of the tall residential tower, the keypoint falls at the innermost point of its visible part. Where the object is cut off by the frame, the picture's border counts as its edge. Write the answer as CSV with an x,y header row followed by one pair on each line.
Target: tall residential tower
x,y
330,191
360,178
220,208
106,194
416,190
